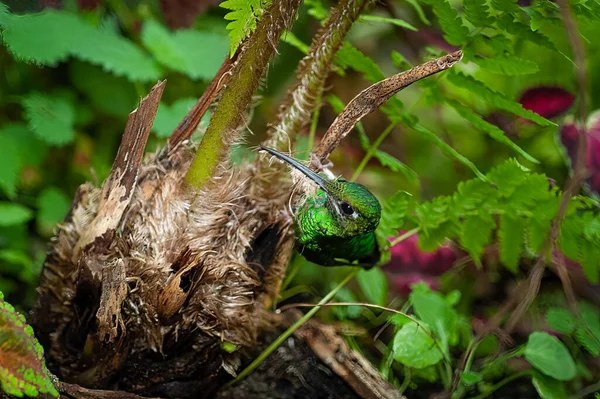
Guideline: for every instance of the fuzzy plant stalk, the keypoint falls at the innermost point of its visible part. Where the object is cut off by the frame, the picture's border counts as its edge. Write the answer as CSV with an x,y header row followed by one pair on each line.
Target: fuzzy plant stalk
x,y
229,117
301,100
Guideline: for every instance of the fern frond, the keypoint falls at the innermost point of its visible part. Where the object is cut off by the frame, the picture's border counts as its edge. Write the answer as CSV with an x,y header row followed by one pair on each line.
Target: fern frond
x,y
243,15
495,98
509,65
454,30
477,13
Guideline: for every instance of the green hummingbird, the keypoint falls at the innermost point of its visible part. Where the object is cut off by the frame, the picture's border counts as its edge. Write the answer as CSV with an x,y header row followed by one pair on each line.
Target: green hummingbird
x,y
336,227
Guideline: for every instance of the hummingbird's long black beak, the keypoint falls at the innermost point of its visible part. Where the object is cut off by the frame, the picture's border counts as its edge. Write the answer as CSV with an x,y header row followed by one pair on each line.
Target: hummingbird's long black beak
x,y
321,182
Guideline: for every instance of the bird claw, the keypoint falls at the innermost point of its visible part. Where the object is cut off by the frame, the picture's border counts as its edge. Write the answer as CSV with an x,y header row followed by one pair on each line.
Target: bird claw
x,y
322,167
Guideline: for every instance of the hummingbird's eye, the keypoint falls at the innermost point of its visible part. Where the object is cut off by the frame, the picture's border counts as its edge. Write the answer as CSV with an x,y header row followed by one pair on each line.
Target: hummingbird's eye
x,y
346,208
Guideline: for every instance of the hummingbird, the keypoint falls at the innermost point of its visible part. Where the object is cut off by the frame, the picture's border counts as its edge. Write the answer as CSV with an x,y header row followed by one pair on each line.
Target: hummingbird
x,y
336,226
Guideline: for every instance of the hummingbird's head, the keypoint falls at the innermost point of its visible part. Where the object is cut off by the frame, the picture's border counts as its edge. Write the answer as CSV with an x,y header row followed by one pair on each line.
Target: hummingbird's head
x,y
353,209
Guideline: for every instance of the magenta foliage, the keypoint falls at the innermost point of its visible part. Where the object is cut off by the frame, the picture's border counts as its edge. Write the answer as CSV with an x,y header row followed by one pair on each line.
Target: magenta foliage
x,y
409,264
547,101
569,135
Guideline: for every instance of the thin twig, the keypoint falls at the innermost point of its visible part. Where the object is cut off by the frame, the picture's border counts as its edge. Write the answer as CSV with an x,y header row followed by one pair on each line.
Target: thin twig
x,y
579,174
374,96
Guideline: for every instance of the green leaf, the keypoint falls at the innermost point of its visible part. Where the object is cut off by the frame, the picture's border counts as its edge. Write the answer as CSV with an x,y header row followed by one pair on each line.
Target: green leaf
x,y
561,320
10,164
590,260
350,57
509,65
550,356
168,117
293,40
22,367
588,332
524,32
548,388
51,36
493,131
13,214
374,285
477,13
512,238
396,165
454,30
394,21
506,6
419,10
447,149
53,205
470,378
476,233
413,347
495,98
393,213
435,312
50,117
197,54
243,16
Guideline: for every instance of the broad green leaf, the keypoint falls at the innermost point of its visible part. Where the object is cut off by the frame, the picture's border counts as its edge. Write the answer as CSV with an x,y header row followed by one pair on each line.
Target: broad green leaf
x,y
197,54
561,320
548,388
512,237
30,149
53,205
394,21
550,356
413,347
436,312
168,117
374,285
13,214
22,367
495,98
50,117
51,36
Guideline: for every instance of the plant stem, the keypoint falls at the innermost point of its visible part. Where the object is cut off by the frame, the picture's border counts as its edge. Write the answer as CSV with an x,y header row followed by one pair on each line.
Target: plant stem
x,y
287,333
371,151
502,383
229,117
405,236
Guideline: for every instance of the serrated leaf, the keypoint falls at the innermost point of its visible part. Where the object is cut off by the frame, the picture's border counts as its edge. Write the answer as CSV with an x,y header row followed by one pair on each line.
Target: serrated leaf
x,y
351,57
477,13
495,98
243,16
374,285
393,213
524,32
507,6
413,347
476,234
590,260
197,54
396,165
512,237
53,205
493,131
22,367
394,21
588,332
454,30
550,356
561,320
51,36
12,214
569,240
168,117
50,117
507,65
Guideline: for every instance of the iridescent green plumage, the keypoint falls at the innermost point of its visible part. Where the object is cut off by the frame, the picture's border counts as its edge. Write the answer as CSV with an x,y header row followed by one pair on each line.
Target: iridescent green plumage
x,y
336,227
